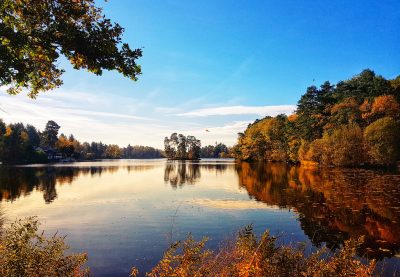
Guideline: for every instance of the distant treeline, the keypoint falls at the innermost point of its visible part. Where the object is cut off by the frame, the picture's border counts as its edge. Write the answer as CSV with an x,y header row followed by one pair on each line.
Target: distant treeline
x,y
20,144
355,122
219,150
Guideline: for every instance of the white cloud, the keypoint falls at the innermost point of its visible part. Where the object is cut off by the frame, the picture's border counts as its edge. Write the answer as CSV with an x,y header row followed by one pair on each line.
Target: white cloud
x,y
242,110
226,133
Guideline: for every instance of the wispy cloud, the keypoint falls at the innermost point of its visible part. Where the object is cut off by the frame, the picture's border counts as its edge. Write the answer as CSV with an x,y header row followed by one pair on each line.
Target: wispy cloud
x,y
241,110
227,129
121,119
88,122
227,133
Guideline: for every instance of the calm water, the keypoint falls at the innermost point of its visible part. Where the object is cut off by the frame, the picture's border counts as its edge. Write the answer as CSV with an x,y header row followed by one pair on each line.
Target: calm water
x,y
126,212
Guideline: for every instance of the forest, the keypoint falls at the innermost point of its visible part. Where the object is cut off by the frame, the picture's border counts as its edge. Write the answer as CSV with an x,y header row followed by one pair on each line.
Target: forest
x,y
20,144
353,123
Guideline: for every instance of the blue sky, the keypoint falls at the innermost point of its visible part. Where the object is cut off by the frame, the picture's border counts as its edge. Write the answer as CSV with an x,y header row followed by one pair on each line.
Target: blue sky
x,y
216,65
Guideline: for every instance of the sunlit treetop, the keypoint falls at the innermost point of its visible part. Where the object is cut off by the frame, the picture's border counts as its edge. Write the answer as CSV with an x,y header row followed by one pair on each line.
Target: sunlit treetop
x,y
34,33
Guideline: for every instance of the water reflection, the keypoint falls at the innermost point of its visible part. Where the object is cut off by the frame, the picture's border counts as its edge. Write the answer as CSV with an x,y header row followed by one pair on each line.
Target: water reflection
x,y
333,205
180,173
21,181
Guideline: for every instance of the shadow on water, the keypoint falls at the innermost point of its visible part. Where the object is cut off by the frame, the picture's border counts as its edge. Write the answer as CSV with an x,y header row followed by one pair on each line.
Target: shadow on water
x,y
333,204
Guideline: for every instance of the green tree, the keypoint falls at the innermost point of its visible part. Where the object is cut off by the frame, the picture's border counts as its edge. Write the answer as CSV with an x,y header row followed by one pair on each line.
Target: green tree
x,y
311,110
34,33
50,134
33,134
181,152
194,146
395,85
364,85
170,146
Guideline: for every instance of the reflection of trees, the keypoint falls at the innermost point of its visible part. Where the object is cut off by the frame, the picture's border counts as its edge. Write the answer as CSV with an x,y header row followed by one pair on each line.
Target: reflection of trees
x,y
179,173
333,205
21,181
217,167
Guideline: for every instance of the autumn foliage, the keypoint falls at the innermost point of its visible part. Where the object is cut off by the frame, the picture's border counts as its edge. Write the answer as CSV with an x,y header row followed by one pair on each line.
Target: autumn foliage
x,y
353,123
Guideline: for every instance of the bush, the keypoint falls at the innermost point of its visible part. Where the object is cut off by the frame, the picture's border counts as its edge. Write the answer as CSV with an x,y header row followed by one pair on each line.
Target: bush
x,y
24,252
343,146
382,140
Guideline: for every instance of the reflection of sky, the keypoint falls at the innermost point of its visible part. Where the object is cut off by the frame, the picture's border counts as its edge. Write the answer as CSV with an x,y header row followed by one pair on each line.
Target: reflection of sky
x,y
123,218
231,204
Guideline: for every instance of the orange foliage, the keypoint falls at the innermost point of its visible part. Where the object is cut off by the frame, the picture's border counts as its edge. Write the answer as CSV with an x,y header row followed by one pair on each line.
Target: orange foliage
x,y
8,131
386,105
349,103
293,117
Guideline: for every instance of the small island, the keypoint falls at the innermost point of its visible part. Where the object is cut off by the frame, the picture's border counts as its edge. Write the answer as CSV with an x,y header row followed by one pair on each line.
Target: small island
x,y
180,147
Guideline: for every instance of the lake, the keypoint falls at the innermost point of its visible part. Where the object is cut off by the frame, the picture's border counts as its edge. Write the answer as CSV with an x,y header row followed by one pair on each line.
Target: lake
x,y
126,212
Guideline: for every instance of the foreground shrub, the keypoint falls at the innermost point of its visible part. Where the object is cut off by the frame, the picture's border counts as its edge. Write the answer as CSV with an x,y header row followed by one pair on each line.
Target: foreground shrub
x,y
252,256
24,252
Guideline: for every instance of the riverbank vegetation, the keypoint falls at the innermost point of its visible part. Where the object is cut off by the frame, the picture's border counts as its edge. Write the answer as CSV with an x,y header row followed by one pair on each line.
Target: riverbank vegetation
x,y
23,144
353,123
24,251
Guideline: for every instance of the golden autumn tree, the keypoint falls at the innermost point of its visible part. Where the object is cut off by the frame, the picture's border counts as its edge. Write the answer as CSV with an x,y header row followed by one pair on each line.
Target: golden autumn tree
x,y
64,145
